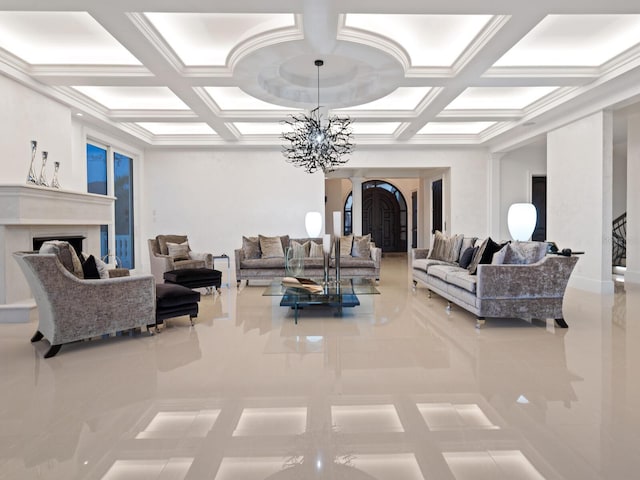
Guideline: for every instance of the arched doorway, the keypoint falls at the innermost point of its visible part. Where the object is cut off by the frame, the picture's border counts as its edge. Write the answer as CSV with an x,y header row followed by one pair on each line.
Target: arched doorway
x,y
384,215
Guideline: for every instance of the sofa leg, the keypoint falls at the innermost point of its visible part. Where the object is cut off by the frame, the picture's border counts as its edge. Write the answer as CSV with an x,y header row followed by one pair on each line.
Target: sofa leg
x,y
191,317
238,284
428,293
479,322
52,351
561,323
37,337
448,307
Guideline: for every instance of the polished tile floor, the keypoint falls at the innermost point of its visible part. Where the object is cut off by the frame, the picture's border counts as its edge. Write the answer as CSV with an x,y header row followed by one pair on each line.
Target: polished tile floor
x,y
397,389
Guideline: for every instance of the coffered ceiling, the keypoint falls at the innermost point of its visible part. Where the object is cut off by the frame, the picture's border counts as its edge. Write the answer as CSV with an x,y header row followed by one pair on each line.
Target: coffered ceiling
x,y
194,73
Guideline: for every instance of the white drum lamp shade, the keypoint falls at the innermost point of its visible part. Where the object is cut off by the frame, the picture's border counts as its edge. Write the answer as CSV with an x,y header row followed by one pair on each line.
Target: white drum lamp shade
x,y
521,220
313,223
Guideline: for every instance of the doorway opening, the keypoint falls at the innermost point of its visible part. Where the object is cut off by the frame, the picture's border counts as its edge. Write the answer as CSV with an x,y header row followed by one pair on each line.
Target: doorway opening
x,y
384,215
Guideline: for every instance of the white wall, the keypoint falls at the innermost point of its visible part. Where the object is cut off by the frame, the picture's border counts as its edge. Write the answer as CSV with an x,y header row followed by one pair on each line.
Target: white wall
x,y
465,174
516,169
216,197
24,116
632,274
579,184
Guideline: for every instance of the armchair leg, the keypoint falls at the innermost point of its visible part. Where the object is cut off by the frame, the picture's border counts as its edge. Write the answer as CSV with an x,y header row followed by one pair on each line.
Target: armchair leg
x,y
479,322
52,351
561,323
37,337
191,317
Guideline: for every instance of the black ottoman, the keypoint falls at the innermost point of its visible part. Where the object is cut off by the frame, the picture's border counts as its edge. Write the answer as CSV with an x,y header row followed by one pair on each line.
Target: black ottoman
x,y
194,277
175,301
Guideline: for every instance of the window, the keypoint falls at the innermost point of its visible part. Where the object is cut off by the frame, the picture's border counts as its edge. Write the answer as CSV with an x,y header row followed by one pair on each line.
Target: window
x,y
97,183
101,179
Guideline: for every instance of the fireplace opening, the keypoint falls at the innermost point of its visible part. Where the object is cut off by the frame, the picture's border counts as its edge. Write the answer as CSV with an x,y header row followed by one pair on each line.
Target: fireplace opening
x,y
74,240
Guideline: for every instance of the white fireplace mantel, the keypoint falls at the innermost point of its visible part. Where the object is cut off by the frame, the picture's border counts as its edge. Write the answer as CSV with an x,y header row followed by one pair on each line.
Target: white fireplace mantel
x,y
28,211
33,205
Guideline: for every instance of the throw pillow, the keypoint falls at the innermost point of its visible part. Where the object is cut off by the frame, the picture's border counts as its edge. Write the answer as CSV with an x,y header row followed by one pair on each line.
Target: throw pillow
x,y
360,247
513,256
477,255
102,267
439,246
316,250
498,257
89,268
484,255
271,247
466,257
303,248
466,243
346,245
178,251
66,254
251,247
455,246
163,239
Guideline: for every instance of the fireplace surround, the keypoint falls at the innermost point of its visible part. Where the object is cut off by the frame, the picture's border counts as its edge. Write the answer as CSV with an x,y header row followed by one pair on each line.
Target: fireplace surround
x,y
30,212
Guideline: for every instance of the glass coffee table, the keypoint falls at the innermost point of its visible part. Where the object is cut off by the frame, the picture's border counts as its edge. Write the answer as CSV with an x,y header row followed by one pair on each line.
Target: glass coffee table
x,y
336,296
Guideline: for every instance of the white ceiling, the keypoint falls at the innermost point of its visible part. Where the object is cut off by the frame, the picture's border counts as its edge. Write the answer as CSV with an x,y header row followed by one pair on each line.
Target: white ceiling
x,y
165,73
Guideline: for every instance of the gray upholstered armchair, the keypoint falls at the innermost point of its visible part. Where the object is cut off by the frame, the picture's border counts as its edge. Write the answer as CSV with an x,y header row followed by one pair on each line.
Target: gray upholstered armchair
x,y
71,308
172,252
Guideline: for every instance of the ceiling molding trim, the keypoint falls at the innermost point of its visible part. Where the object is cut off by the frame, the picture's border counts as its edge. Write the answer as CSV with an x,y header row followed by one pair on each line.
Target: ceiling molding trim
x,y
153,115
542,72
264,39
146,28
477,115
493,26
371,39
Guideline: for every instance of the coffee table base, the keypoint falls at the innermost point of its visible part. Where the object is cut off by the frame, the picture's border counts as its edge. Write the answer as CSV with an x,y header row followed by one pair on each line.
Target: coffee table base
x,y
296,303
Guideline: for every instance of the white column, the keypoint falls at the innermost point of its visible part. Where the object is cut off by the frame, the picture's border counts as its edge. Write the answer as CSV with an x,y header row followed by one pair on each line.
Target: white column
x,y
579,197
356,208
633,200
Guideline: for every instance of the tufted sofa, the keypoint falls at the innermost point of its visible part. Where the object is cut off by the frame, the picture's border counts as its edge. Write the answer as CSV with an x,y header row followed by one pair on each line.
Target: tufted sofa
x,y
253,263
533,288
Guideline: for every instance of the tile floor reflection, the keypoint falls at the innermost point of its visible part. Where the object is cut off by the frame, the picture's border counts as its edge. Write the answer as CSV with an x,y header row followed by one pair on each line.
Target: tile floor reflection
x,y
398,388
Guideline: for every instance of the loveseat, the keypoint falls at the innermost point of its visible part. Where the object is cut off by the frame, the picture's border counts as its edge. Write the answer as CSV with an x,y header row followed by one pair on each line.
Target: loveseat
x,y
513,280
263,258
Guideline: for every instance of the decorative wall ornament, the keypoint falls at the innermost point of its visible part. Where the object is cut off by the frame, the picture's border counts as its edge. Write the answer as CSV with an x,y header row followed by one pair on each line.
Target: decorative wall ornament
x,y
42,180
54,181
314,145
31,178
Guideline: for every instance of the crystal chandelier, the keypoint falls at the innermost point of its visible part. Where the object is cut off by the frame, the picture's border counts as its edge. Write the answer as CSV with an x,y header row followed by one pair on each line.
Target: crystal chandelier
x,y
315,145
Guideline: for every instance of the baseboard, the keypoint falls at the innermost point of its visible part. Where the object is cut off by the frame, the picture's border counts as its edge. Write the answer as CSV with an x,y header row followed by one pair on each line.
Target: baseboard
x,y
632,277
17,312
603,287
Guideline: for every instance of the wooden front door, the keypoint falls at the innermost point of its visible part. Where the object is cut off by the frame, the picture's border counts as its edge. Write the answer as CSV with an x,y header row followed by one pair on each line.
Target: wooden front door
x,y
381,218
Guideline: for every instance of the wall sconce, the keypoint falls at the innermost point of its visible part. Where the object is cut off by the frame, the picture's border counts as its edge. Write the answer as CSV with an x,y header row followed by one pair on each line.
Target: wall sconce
x,y
521,219
313,223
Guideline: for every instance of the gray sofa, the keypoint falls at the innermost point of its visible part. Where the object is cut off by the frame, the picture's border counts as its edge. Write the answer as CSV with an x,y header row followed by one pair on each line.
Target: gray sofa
x,y
248,267
533,290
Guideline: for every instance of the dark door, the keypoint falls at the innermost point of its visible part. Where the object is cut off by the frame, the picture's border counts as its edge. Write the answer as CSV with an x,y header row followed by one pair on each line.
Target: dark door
x,y
414,219
381,218
539,200
436,205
